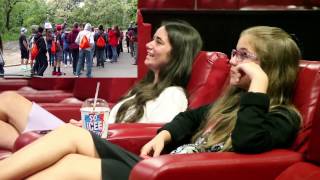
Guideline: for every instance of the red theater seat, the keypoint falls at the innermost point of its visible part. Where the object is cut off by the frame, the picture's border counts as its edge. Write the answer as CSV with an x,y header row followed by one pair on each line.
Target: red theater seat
x,y
228,165
309,170
232,165
12,84
144,32
301,171
238,166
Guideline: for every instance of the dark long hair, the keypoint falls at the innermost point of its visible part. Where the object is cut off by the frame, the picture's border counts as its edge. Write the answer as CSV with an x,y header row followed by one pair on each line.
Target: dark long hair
x,y
186,44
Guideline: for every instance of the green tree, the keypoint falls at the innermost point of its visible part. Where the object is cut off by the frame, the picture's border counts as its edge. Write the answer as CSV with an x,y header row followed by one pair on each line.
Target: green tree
x,y
17,13
8,6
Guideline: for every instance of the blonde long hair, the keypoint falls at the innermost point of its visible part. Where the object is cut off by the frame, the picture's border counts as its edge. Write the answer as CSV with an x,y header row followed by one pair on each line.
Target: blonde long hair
x,y
279,57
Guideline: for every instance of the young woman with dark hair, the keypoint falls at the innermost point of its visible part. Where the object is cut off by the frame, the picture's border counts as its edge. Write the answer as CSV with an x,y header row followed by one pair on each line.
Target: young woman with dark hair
x,y
162,90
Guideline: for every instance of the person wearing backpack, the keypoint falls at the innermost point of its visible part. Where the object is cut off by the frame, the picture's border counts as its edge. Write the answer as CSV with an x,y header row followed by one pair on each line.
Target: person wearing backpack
x,y
41,58
49,38
85,41
74,47
100,40
113,38
66,50
23,44
57,42
34,30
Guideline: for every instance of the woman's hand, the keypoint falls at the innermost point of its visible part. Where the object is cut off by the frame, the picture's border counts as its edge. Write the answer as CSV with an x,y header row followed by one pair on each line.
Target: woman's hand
x,y
259,79
154,147
76,122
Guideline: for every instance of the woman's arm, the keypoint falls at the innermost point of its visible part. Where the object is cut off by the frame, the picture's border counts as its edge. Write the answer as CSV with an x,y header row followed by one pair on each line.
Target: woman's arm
x,y
184,125
154,147
258,130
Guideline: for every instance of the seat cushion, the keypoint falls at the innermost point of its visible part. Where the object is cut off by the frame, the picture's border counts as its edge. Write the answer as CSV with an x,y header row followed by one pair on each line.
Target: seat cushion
x,y
4,153
12,84
299,171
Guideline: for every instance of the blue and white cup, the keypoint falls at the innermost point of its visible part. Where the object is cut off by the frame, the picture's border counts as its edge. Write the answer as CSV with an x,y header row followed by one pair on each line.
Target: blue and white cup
x,y
95,119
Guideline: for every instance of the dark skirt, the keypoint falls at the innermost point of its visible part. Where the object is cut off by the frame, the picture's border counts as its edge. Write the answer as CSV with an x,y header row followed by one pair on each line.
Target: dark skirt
x,y
116,162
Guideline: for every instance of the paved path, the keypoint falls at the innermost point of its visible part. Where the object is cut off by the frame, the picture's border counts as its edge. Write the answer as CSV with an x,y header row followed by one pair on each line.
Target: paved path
x,y
123,68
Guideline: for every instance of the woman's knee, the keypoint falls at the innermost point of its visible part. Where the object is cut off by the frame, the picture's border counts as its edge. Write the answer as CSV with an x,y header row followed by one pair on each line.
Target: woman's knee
x,y
71,130
8,96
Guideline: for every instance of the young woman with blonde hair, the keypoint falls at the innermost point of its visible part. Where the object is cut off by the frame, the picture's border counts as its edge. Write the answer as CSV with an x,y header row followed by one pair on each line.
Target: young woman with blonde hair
x,y
255,115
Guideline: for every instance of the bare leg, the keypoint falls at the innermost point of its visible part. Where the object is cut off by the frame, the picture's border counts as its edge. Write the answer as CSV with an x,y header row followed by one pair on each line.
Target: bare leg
x,y
14,111
72,166
46,151
8,135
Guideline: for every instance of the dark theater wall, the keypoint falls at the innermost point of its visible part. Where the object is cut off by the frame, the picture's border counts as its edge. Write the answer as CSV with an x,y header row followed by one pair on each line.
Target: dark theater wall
x,y
220,28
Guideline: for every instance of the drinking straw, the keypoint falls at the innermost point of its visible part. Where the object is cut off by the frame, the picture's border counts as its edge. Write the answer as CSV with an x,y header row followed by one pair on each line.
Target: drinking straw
x,y
96,96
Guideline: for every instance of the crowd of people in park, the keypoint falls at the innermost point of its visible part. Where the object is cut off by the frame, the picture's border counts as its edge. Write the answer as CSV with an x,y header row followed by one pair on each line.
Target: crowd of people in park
x,y
57,44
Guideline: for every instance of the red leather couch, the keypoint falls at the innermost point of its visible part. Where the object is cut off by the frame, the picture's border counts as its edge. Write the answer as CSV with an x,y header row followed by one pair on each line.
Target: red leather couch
x,y
210,72
229,165
309,170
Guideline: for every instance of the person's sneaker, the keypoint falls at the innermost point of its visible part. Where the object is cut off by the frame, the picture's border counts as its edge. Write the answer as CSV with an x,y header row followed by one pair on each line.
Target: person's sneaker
x,y
54,73
58,73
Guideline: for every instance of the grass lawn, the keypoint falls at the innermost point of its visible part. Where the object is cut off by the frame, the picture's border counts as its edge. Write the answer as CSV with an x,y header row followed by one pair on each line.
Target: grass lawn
x,y
10,36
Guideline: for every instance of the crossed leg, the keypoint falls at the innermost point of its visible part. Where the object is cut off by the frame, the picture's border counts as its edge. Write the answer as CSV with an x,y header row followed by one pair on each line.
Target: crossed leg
x,y
14,111
67,152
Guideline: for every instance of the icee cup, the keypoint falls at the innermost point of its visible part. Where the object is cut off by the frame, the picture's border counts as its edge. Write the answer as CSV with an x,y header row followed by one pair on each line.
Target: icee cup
x,y
95,119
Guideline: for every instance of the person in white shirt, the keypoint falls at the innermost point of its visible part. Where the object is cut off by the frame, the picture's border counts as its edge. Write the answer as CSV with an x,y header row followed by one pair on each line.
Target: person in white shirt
x,y
157,98
86,42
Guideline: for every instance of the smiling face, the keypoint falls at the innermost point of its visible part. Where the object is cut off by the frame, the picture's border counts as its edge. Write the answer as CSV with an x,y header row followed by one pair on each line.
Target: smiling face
x,y
158,50
244,53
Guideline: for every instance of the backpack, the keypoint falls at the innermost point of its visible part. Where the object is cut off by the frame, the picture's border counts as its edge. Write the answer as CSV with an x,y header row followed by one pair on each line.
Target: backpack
x,y
53,47
132,36
101,43
84,42
34,51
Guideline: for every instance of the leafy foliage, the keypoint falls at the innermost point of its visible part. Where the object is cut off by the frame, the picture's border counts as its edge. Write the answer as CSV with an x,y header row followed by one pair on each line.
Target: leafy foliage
x,y
24,13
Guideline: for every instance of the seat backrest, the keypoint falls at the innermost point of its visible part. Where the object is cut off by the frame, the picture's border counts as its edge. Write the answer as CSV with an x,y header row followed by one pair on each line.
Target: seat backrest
x,y
209,74
217,4
111,89
52,83
307,100
144,33
246,3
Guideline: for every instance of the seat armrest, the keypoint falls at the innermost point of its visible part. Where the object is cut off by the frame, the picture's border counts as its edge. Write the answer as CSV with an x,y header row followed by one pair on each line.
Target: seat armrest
x,y
132,136
226,165
25,139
